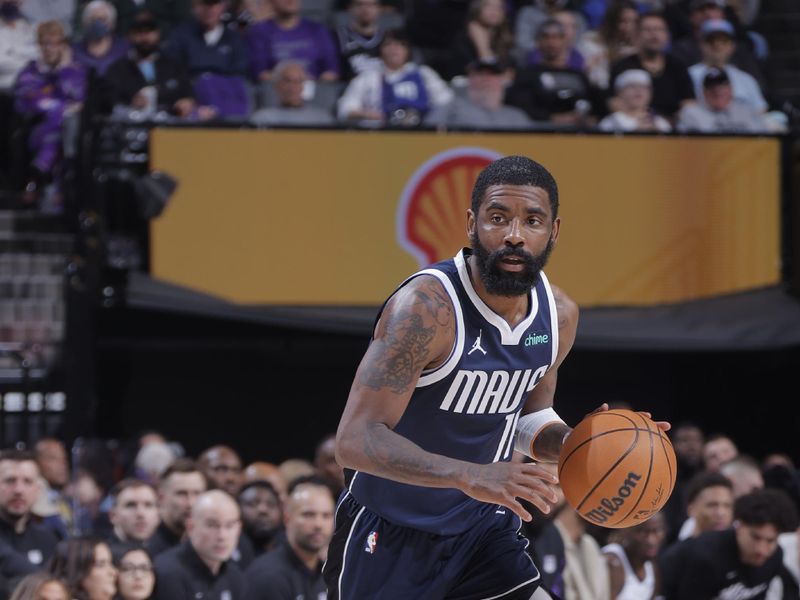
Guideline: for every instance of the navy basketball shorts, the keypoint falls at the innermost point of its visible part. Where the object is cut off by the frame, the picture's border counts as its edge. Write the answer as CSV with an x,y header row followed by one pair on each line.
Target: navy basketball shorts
x,y
371,558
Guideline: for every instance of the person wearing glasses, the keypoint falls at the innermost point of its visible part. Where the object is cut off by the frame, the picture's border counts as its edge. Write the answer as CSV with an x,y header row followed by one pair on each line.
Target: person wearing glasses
x,y
136,578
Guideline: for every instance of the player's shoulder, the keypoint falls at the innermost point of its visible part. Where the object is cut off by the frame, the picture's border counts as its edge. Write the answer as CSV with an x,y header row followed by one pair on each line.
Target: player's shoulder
x,y
567,308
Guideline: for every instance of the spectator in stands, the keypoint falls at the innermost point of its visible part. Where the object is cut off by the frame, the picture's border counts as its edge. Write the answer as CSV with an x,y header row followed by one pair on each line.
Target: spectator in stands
x,y
718,44
41,11
552,91
719,448
744,473
546,547
739,562
632,568
261,515
291,109
634,92
288,35
612,41
399,93
269,472
359,38
326,465
17,43
483,107
167,13
134,513
178,490
688,49
486,36
48,91
585,572
17,49
222,467
720,112
687,440
86,497
136,579
569,56
294,569
100,46
216,58
672,86
529,19
294,468
146,76
40,586
51,456
19,487
201,566
709,504
87,567
152,460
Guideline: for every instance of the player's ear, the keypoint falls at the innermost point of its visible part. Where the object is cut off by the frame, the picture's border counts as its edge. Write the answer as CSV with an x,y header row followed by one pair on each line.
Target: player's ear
x,y
470,222
556,229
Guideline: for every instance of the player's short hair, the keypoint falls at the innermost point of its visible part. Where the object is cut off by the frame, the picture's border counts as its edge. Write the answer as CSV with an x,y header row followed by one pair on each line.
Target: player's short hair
x,y
766,507
128,483
704,480
515,170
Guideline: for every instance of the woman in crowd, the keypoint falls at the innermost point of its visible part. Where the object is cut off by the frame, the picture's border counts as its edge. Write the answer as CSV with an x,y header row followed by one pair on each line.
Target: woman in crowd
x,y
100,46
487,35
40,586
86,565
136,578
613,40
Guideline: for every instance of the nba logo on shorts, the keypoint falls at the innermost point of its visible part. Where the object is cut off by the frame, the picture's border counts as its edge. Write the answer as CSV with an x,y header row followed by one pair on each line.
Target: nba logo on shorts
x,y
372,542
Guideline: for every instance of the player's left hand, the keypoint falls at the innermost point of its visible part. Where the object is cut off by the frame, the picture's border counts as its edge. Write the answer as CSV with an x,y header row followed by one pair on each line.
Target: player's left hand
x,y
662,425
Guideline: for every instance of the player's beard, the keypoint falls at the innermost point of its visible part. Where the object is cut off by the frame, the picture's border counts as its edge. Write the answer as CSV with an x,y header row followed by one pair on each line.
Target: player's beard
x,y
505,283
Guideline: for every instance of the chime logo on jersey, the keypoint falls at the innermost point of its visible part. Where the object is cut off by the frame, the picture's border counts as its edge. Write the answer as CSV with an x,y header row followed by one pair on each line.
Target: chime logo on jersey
x,y
372,542
492,392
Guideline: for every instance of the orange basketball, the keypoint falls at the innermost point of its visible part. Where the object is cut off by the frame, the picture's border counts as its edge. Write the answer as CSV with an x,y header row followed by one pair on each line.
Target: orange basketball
x,y
617,468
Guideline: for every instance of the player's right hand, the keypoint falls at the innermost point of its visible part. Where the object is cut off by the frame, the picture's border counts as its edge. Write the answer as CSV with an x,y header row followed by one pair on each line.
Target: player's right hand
x,y
504,482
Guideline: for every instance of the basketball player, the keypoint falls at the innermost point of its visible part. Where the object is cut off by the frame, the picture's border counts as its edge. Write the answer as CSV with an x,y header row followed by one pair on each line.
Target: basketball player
x,y
461,370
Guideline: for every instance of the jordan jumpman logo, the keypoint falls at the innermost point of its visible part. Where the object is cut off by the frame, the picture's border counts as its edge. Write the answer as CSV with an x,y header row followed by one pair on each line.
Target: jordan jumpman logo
x,y
477,344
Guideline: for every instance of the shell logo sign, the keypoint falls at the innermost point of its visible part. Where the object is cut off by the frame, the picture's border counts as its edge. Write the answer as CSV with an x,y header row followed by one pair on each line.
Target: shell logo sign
x,y
431,218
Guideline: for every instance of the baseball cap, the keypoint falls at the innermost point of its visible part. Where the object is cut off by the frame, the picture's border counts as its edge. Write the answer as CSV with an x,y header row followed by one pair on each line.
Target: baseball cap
x,y
487,64
715,77
632,77
698,4
713,26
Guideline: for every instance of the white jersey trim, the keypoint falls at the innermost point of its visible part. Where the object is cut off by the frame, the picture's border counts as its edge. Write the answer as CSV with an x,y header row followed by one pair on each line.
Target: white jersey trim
x,y
443,370
508,336
551,299
347,545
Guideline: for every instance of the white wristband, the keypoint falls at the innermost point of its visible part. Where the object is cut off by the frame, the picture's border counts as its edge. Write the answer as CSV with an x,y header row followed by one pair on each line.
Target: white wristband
x,y
530,426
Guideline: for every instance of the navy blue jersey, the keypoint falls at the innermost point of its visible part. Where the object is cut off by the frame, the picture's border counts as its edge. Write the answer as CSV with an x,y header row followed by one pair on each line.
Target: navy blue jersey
x,y
468,407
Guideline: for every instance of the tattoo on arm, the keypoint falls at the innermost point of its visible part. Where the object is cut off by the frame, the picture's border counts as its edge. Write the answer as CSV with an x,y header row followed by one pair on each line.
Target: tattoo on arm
x,y
403,349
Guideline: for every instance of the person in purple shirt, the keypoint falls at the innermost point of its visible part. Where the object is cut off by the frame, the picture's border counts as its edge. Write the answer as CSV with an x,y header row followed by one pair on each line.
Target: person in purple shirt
x,y
288,36
100,47
46,91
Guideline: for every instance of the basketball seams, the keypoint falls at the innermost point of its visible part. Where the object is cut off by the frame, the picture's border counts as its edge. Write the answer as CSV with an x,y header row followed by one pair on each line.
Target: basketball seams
x,y
653,474
614,466
649,471
586,441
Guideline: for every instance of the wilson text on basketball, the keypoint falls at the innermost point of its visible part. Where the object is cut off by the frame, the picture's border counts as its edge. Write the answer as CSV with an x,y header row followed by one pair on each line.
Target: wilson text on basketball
x,y
609,506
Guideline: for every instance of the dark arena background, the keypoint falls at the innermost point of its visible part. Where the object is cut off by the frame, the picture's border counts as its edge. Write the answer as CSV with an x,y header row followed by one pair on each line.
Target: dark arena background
x,y
209,268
